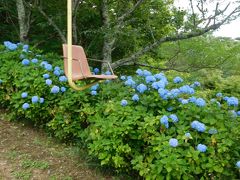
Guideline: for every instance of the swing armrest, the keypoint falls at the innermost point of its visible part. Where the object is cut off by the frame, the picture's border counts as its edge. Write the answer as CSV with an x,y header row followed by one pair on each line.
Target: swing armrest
x,y
109,65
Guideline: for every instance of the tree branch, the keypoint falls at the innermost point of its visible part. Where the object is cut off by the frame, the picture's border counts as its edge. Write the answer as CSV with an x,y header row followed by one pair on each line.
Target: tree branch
x,y
181,36
125,15
193,14
51,22
76,4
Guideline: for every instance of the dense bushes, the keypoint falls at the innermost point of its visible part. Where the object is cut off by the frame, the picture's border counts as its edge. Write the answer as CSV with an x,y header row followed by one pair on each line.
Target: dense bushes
x,y
160,127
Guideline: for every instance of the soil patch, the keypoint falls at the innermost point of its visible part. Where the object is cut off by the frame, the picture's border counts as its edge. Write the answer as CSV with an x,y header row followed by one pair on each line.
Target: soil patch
x,y
27,153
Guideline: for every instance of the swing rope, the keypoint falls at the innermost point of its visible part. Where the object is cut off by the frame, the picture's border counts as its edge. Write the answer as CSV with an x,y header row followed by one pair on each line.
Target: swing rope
x,y
69,49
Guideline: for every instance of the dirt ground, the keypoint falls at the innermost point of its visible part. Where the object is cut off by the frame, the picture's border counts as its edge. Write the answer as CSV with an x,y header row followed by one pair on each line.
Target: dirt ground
x,y
27,153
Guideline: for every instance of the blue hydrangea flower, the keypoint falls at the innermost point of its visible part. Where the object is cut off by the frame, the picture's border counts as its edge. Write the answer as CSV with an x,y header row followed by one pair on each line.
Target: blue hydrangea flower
x,y
55,90
96,70
35,99
123,78
225,98
130,83
41,100
184,101
232,101
150,79
200,102
233,114
56,72
34,61
139,72
164,79
93,93
135,97
174,93
48,67
57,68
62,79
164,121
173,142
159,84
10,46
212,131
129,77
25,62
26,47
219,94
46,76
48,82
155,85
177,80
25,50
146,73
141,88
24,95
186,90
43,63
124,102
174,118
238,164
201,147
25,106
163,93
200,127
188,135
170,108
192,99
108,73
238,113
63,89
196,84
95,87
160,76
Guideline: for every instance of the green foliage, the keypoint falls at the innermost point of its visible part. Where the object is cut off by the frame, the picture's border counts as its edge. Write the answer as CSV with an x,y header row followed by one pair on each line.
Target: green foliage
x,y
120,135
202,53
131,137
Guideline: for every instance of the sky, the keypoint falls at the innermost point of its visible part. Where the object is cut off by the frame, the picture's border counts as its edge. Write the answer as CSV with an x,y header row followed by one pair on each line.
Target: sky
x,y
229,30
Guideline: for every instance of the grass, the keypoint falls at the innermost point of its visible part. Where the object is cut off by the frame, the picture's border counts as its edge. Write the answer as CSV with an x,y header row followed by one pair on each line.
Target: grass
x,y
23,175
30,154
29,163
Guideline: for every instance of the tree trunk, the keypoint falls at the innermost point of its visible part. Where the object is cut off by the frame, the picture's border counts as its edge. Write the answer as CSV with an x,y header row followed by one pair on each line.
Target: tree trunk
x,y
23,21
108,39
74,16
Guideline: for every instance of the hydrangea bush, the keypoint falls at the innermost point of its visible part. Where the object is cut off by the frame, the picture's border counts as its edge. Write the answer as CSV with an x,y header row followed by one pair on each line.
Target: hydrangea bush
x,y
159,126
167,131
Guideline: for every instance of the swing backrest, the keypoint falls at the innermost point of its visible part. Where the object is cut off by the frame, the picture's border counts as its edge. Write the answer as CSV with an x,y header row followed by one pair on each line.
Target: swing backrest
x,y
79,62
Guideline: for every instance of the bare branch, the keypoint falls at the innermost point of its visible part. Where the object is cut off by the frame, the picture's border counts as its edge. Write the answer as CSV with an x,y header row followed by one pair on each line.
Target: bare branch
x,y
188,69
216,14
201,9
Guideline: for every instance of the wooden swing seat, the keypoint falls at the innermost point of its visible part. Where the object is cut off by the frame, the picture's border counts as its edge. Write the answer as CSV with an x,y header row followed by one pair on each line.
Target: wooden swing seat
x,y
80,67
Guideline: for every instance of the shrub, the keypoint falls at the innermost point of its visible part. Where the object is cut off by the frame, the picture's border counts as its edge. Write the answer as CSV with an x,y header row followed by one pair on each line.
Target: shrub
x,y
160,127
149,135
